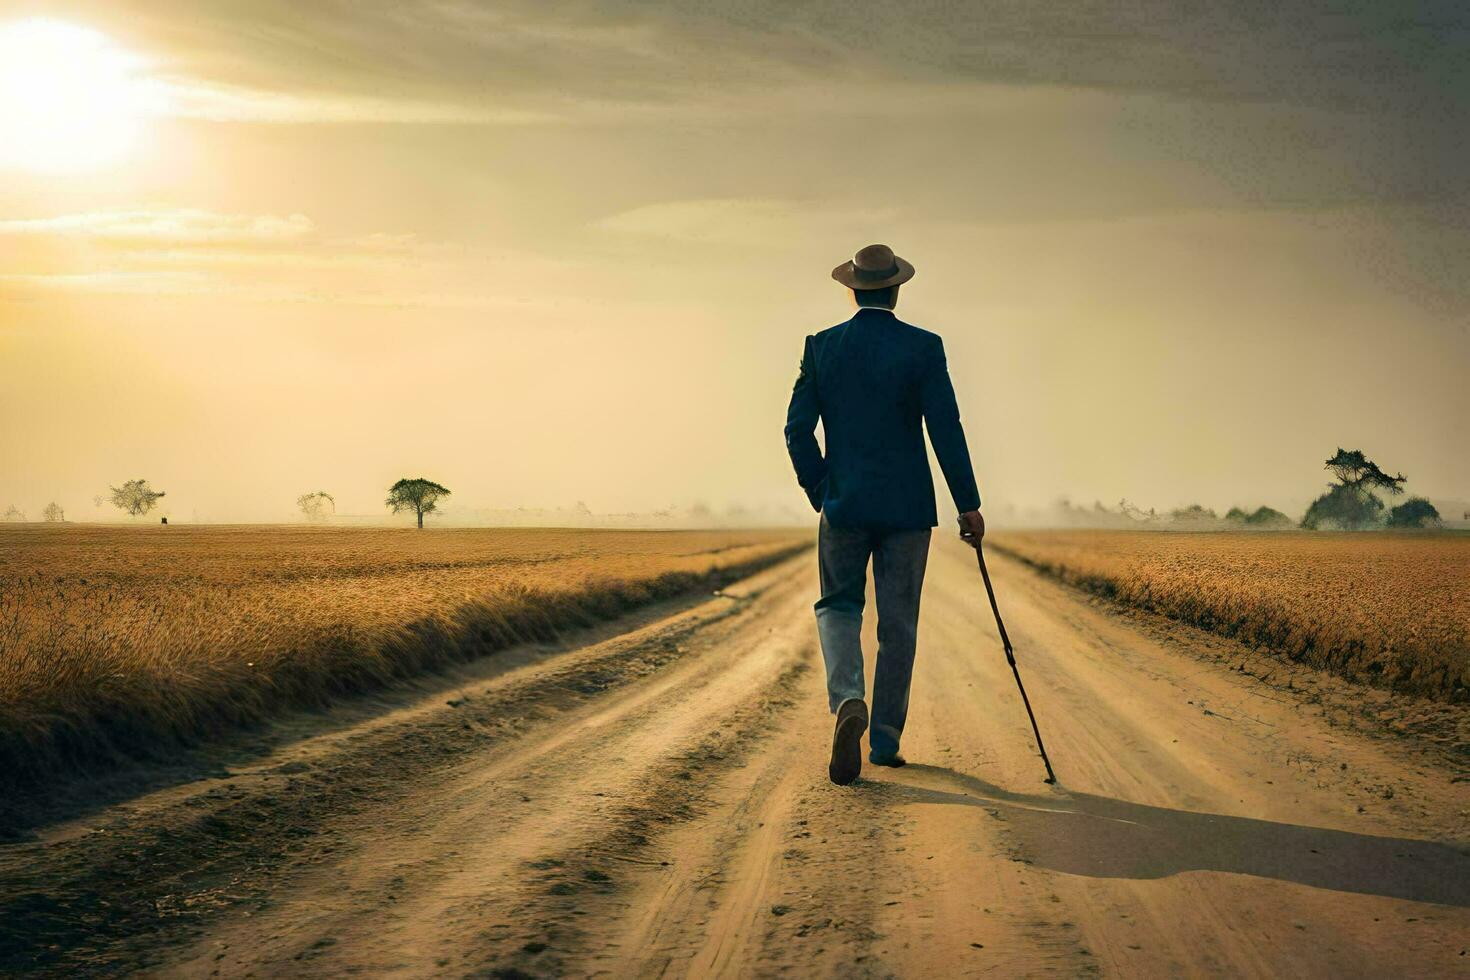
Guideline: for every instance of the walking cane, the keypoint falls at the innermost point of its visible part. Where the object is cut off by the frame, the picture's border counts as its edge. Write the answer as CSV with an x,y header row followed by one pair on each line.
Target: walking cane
x,y
1005,640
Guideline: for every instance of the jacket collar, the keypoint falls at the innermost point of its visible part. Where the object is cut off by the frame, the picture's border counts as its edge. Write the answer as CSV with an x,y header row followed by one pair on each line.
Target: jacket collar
x,y
873,313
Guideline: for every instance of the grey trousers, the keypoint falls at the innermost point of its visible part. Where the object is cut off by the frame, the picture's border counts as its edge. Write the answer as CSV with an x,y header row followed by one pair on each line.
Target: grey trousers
x,y
899,559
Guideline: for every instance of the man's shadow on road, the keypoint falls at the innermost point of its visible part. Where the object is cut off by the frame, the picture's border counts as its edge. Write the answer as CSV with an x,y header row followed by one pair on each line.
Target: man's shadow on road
x,y
1099,837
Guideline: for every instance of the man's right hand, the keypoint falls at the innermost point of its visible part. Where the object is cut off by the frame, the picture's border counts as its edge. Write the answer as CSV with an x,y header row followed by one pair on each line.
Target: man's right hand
x,y
972,528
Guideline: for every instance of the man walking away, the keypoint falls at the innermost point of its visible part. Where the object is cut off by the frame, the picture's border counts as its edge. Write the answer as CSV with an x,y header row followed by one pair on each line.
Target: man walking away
x,y
875,382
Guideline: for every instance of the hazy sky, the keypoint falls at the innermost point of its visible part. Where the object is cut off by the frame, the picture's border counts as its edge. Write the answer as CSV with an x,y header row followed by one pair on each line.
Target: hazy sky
x,y
549,252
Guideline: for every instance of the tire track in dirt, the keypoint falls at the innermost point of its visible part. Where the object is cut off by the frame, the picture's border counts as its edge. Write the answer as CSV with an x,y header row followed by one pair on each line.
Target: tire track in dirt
x,y
534,839
590,879
770,881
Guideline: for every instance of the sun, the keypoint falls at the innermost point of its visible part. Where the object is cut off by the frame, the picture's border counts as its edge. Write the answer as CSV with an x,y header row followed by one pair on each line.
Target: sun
x,y
71,100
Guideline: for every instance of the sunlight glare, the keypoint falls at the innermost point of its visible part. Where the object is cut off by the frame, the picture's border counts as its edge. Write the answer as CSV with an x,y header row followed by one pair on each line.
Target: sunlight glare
x,y
70,99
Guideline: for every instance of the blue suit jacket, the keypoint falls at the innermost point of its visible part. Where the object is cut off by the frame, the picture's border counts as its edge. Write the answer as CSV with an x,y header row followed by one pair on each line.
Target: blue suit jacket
x,y
874,382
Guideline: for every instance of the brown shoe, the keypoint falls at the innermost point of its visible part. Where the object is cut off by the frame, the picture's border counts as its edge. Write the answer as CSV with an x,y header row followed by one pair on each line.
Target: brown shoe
x,y
847,741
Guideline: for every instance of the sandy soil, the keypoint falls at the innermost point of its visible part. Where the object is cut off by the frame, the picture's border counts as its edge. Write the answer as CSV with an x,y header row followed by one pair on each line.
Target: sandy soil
x,y
654,802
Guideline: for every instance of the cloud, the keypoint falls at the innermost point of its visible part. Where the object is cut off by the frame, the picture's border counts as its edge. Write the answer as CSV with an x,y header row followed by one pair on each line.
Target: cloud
x,y
196,99
128,282
452,61
168,226
271,258
197,234
157,283
1358,56
171,251
741,221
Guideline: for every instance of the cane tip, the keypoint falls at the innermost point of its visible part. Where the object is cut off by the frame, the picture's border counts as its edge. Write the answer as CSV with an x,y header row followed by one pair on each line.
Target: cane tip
x,y
1050,780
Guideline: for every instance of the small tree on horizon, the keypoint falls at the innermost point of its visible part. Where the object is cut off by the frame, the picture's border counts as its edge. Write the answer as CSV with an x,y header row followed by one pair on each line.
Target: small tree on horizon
x,y
1351,503
1268,516
418,495
53,514
13,516
317,506
1414,512
1134,512
1262,516
135,497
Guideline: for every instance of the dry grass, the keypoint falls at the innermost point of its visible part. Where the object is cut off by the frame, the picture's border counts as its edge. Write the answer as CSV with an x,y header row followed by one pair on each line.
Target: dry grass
x,y
122,642
1392,610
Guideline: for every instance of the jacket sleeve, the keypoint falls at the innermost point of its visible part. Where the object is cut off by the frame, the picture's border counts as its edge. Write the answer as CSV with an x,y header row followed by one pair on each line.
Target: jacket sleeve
x,y
801,426
942,418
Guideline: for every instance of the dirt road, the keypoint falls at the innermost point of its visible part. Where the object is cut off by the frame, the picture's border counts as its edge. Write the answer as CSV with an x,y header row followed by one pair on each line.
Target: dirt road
x,y
655,803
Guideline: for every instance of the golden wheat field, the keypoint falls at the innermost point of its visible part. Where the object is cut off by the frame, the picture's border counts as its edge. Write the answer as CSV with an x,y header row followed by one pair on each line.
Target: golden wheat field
x,y
115,641
1389,609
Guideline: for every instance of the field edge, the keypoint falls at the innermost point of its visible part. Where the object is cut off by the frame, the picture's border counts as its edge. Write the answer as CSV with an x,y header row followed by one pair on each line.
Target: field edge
x,y
1442,686
36,754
